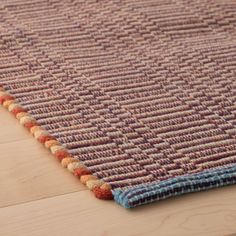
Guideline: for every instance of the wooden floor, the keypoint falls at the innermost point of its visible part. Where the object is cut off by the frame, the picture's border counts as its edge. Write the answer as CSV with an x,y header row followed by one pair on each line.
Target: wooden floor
x,y
38,197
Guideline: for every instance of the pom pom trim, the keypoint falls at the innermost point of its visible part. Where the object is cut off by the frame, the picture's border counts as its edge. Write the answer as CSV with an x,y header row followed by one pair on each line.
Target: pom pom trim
x,y
100,189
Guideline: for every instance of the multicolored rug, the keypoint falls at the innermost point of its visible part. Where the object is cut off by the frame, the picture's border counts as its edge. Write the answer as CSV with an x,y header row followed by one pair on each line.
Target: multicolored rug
x,y
137,98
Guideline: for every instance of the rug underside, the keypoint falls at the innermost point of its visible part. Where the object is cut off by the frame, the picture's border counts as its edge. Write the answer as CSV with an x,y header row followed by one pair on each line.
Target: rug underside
x,y
137,98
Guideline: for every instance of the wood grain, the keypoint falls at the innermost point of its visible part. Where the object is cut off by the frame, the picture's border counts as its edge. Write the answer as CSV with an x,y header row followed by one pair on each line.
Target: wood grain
x,y
212,213
38,197
10,130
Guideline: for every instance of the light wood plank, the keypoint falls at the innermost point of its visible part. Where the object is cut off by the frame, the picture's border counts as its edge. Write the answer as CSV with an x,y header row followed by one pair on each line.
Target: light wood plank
x,y
209,213
10,129
28,172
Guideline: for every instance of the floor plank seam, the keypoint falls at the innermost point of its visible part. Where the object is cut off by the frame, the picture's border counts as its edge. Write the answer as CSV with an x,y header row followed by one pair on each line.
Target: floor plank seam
x,y
43,198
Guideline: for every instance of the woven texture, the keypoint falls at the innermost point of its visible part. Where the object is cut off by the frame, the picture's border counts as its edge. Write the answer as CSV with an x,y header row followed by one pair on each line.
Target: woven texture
x,y
141,92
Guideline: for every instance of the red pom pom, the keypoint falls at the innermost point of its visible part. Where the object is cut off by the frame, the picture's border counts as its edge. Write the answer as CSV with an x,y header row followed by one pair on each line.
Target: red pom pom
x,y
104,194
30,124
44,138
17,110
81,171
60,154
4,98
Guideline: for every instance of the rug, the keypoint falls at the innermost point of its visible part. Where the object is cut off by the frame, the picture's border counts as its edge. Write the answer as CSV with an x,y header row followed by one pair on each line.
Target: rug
x,y
137,98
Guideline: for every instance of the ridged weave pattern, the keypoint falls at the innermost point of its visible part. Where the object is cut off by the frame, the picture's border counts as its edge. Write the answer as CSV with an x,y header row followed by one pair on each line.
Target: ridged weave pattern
x,y
140,91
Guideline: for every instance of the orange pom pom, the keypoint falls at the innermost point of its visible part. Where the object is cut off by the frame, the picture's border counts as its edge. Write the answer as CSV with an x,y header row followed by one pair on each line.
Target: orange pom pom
x,y
44,138
6,97
104,194
81,171
30,124
60,154
17,110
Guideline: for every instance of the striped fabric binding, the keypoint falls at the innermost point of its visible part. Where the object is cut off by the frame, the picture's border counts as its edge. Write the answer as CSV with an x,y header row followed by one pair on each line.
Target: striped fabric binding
x,y
180,185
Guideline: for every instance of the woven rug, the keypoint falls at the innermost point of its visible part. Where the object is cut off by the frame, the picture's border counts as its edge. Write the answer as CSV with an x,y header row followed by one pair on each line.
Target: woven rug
x,y
137,98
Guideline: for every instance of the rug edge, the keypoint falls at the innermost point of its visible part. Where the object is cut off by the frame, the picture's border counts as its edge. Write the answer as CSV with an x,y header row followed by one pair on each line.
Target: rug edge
x,y
127,198
100,189
148,193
